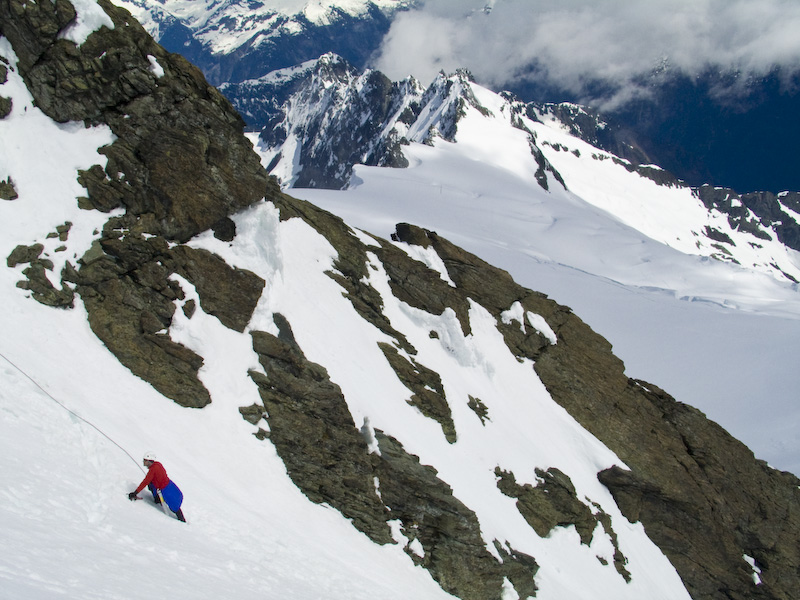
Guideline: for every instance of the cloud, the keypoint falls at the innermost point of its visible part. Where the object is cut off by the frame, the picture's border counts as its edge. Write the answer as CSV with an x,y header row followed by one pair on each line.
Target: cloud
x,y
578,44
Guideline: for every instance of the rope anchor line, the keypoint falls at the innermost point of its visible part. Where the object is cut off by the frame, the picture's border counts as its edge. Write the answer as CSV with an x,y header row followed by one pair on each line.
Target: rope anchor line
x,y
70,411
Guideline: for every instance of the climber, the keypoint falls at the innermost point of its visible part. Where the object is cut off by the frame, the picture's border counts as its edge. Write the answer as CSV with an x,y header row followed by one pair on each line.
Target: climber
x,y
160,486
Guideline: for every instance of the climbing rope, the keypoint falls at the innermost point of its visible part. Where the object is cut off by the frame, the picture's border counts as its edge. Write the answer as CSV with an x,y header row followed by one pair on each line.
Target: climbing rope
x,y
73,413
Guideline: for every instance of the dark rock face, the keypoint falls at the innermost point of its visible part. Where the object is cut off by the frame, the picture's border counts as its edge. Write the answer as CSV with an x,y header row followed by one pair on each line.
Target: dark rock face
x,y
5,109
428,394
128,317
449,532
178,166
130,298
700,494
314,433
7,190
166,165
554,503
329,459
36,280
479,408
227,293
304,408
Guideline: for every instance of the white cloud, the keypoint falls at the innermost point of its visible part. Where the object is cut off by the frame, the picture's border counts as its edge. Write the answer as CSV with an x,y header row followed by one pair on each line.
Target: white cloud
x,y
575,42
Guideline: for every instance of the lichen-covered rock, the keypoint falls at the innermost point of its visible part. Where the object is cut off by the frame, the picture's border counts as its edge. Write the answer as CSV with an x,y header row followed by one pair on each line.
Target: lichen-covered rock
x,y
328,458
228,293
126,317
42,289
314,433
24,254
479,408
700,494
6,104
428,393
7,189
552,503
36,279
455,552
179,153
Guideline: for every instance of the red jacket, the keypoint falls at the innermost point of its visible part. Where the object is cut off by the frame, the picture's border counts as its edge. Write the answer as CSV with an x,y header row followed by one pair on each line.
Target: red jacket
x,y
156,475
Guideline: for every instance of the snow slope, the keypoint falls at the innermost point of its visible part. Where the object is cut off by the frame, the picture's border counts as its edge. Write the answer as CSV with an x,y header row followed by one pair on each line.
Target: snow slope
x,y
74,423
72,418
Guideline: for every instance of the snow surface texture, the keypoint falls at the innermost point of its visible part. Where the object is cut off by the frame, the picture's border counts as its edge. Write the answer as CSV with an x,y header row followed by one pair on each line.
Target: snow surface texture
x,y
74,422
621,251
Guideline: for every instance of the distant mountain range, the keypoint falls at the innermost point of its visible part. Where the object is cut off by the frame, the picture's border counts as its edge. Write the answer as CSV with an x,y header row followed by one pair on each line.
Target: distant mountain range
x,y
748,144
322,118
242,39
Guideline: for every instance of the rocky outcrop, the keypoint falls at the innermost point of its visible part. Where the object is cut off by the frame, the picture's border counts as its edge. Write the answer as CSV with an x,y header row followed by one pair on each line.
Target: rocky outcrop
x,y
5,103
690,483
36,279
758,213
314,433
700,494
449,533
179,162
225,292
428,394
178,166
554,503
370,478
7,189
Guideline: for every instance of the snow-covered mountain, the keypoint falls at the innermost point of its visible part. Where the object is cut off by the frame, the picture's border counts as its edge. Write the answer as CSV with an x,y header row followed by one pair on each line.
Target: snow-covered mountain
x,y
684,122
325,116
348,416
245,39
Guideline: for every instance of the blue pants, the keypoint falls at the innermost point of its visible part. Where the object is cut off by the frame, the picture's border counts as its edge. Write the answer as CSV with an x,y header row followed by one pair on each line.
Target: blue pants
x,y
171,494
